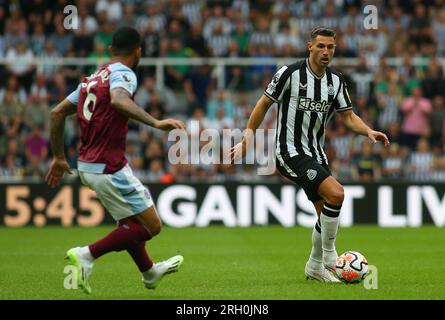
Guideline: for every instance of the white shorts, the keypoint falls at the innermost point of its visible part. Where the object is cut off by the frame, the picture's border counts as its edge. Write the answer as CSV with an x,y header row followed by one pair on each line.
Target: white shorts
x,y
121,193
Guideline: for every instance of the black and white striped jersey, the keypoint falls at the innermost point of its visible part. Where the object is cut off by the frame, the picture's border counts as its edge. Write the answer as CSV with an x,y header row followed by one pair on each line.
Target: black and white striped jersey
x,y
306,103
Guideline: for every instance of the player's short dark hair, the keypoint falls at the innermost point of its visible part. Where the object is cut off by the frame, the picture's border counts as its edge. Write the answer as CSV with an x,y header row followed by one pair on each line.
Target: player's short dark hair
x,y
322,31
125,41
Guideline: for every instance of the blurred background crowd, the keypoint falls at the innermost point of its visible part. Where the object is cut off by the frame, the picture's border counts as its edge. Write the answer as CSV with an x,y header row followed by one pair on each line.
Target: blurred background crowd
x,y
405,100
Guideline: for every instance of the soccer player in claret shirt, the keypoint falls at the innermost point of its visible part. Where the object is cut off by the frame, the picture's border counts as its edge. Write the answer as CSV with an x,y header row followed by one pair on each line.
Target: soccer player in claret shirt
x,y
104,103
308,94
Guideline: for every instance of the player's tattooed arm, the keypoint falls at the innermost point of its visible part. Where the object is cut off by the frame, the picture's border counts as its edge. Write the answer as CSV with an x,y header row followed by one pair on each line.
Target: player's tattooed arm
x,y
59,165
354,123
58,116
122,102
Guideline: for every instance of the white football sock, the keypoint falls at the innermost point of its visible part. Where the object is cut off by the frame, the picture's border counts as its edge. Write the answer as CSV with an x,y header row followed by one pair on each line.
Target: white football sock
x,y
316,257
329,227
85,253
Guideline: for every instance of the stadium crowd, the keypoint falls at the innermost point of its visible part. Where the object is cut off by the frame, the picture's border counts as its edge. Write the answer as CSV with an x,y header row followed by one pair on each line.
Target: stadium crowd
x,y
405,100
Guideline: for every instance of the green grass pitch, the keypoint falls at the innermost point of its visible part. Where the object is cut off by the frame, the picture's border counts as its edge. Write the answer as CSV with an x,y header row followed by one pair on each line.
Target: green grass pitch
x,y
225,263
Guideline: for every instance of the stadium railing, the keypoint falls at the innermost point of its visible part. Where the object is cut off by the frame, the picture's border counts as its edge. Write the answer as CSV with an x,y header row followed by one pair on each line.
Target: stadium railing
x,y
218,63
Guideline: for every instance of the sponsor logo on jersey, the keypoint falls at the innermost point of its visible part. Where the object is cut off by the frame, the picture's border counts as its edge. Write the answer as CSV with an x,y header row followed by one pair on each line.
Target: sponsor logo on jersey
x,y
307,104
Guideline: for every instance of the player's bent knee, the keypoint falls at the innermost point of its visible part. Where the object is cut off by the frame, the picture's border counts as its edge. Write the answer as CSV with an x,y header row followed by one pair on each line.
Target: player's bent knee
x,y
336,196
150,220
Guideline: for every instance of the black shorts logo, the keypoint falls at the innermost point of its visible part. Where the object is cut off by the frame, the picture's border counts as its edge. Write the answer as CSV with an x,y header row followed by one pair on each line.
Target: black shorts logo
x,y
311,174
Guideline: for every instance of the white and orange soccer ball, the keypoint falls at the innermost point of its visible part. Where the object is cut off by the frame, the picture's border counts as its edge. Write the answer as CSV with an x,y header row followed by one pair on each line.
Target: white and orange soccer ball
x,y
351,267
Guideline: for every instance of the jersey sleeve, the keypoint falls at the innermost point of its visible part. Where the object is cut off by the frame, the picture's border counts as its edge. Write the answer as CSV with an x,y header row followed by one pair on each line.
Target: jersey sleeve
x,y
73,97
278,85
123,78
343,100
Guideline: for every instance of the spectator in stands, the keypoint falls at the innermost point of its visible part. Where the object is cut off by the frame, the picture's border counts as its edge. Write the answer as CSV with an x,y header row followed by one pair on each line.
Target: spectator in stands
x,y
241,36
196,42
155,16
416,116
176,30
366,166
62,40
17,91
129,17
393,162
419,26
105,34
218,40
433,83
37,109
48,54
388,105
438,173
420,162
11,115
217,18
2,20
191,10
99,55
82,41
15,29
156,170
341,142
438,121
220,100
242,110
221,121
197,87
261,36
176,74
37,41
112,7
10,168
152,152
286,44
438,26
85,20
151,43
13,162
20,63
362,77
36,151
57,88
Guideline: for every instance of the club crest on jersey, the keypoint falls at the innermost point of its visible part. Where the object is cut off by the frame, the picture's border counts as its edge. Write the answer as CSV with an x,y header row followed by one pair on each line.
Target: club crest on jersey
x,y
311,174
331,90
307,104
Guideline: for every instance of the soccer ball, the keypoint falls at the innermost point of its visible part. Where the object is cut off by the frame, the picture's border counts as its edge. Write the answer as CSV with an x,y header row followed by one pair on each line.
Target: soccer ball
x,y
351,267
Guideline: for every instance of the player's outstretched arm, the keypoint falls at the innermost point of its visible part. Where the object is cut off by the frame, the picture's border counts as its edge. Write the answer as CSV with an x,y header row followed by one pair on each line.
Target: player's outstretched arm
x,y
356,124
255,120
59,165
122,102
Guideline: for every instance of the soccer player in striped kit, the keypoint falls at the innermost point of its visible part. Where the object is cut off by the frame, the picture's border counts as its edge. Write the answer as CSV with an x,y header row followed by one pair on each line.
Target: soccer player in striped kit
x,y
308,94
